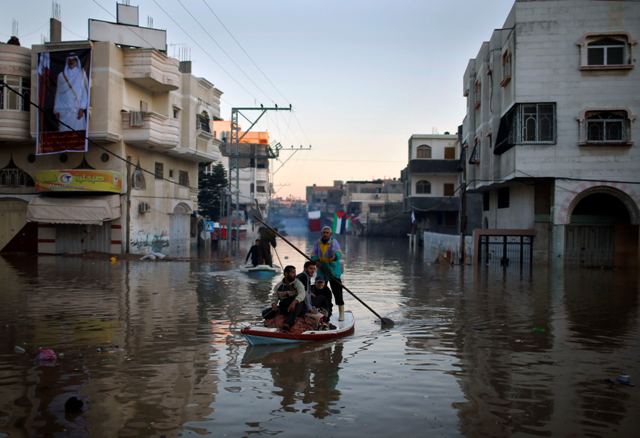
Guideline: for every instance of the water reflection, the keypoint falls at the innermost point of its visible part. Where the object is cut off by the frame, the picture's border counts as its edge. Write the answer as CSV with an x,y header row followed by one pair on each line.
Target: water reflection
x,y
302,375
154,349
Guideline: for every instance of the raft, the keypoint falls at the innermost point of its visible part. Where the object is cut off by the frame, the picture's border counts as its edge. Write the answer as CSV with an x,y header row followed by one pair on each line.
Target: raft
x,y
261,271
260,335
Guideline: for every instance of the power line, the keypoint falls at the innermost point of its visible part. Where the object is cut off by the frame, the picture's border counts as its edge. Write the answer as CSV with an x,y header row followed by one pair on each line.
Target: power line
x,y
224,51
245,52
86,137
204,51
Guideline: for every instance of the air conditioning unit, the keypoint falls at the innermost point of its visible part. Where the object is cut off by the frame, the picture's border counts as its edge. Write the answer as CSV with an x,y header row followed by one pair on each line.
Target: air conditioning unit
x,y
144,207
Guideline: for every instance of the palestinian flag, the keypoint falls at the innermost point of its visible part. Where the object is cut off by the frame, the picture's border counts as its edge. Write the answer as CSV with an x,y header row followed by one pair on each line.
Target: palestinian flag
x,y
339,222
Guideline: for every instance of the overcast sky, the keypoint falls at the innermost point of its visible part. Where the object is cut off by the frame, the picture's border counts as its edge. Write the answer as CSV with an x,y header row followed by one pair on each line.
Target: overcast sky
x,y
362,75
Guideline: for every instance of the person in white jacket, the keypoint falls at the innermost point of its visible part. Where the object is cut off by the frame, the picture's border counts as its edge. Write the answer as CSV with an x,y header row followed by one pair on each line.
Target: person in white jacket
x,y
72,96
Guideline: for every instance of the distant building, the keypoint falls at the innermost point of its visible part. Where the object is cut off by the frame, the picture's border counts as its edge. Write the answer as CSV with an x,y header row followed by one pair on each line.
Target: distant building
x,y
145,107
551,129
374,202
254,153
431,182
326,199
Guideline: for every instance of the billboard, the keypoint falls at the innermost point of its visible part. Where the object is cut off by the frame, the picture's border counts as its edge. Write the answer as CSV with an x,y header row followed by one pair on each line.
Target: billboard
x,y
64,88
79,180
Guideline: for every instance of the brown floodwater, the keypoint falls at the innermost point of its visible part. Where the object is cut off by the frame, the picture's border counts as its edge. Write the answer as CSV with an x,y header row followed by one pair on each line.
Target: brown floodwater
x,y
154,349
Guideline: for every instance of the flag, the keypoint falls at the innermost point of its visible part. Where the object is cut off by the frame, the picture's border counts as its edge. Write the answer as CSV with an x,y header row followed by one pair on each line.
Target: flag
x,y
413,217
338,219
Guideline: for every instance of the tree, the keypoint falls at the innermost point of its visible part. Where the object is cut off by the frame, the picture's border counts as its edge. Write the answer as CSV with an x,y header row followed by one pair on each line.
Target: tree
x,y
211,188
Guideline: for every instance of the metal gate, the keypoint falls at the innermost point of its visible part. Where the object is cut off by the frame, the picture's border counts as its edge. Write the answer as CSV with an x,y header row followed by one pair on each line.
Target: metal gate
x,y
179,235
79,239
506,250
589,245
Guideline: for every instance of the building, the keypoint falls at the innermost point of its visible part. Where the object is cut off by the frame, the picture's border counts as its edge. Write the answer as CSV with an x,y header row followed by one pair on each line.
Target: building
x,y
431,182
253,155
325,199
551,129
135,187
376,206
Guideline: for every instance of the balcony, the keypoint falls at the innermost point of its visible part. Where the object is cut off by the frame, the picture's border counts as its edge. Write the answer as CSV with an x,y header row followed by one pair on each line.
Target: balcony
x,y
151,70
150,130
14,126
435,203
434,166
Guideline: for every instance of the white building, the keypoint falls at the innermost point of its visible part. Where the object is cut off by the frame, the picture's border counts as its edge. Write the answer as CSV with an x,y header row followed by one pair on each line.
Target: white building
x,y
431,181
145,108
551,129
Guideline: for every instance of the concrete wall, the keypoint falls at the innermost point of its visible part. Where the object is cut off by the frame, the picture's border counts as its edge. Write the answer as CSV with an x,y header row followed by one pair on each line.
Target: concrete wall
x,y
437,183
445,248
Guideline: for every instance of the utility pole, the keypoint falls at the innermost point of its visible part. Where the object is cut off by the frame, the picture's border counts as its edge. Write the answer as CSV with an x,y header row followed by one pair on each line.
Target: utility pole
x,y
234,164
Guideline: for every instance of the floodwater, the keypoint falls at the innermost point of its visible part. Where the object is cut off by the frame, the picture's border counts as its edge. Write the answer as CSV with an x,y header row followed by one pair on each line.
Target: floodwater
x,y
153,349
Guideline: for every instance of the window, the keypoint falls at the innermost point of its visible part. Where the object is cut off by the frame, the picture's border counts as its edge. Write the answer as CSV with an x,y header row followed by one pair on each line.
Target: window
x,y
262,189
159,171
12,101
478,94
252,188
202,122
606,127
606,51
474,156
183,178
12,176
137,179
503,197
527,123
486,198
537,122
423,187
450,153
376,208
448,189
170,173
176,112
423,151
506,68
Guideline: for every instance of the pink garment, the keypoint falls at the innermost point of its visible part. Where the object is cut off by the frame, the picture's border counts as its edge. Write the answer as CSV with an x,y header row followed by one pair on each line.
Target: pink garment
x,y
46,355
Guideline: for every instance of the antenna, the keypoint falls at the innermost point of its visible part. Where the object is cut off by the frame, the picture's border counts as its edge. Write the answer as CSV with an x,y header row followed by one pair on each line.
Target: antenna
x,y
15,27
149,21
55,10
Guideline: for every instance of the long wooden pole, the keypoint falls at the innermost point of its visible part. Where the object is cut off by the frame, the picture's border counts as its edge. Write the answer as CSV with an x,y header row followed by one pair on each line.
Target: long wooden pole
x,y
386,322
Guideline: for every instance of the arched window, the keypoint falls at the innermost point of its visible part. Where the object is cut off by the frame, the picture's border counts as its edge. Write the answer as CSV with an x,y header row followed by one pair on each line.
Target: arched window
x,y
12,176
202,121
423,187
606,51
423,151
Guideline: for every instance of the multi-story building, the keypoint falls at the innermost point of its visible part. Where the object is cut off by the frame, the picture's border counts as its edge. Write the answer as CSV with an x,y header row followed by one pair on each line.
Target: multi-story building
x,y
253,155
372,200
551,130
325,199
135,187
431,182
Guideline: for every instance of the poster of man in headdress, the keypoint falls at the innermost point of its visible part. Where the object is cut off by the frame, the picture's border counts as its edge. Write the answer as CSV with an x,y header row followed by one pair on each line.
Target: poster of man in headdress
x,y
64,89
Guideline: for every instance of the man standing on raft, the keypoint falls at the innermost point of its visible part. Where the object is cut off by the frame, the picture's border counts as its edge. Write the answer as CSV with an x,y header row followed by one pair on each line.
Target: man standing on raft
x,y
327,254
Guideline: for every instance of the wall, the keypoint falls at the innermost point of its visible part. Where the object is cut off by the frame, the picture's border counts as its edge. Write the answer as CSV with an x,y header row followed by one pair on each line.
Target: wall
x,y
437,183
445,248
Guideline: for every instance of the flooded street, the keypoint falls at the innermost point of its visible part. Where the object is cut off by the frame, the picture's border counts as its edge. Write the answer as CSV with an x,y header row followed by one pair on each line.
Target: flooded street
x,y
153,348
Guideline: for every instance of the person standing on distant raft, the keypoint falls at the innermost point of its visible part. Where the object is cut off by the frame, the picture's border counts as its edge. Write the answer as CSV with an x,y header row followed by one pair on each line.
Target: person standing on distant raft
x,y
327,253
72,96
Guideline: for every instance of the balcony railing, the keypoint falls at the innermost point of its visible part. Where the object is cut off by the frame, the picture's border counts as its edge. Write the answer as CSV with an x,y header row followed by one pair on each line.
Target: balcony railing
x,y
151,130
151,70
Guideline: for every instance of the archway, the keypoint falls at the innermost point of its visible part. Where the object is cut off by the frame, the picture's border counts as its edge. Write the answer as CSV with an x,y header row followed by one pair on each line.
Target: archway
x,y
603,229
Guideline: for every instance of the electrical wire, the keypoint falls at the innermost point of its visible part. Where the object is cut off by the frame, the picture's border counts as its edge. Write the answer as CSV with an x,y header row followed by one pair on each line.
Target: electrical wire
x,y
225,52
205,52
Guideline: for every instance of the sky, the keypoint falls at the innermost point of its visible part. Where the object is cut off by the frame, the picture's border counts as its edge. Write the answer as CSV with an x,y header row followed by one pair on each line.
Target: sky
x,y
362,76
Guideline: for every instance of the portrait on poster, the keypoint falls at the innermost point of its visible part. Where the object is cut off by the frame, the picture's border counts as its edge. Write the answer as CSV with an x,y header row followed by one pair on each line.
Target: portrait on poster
x,y
64,90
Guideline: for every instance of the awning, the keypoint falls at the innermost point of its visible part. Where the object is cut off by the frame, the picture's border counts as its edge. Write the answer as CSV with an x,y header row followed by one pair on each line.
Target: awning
x,y
87,210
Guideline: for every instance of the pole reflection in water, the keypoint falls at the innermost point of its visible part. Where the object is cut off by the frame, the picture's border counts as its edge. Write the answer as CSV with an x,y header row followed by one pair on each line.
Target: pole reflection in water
x,y
153,348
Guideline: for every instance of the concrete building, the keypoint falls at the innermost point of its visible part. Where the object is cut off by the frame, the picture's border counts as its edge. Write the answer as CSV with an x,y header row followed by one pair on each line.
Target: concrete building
x,y
148,130
551,129
326,199
431,182
373,201
254,153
